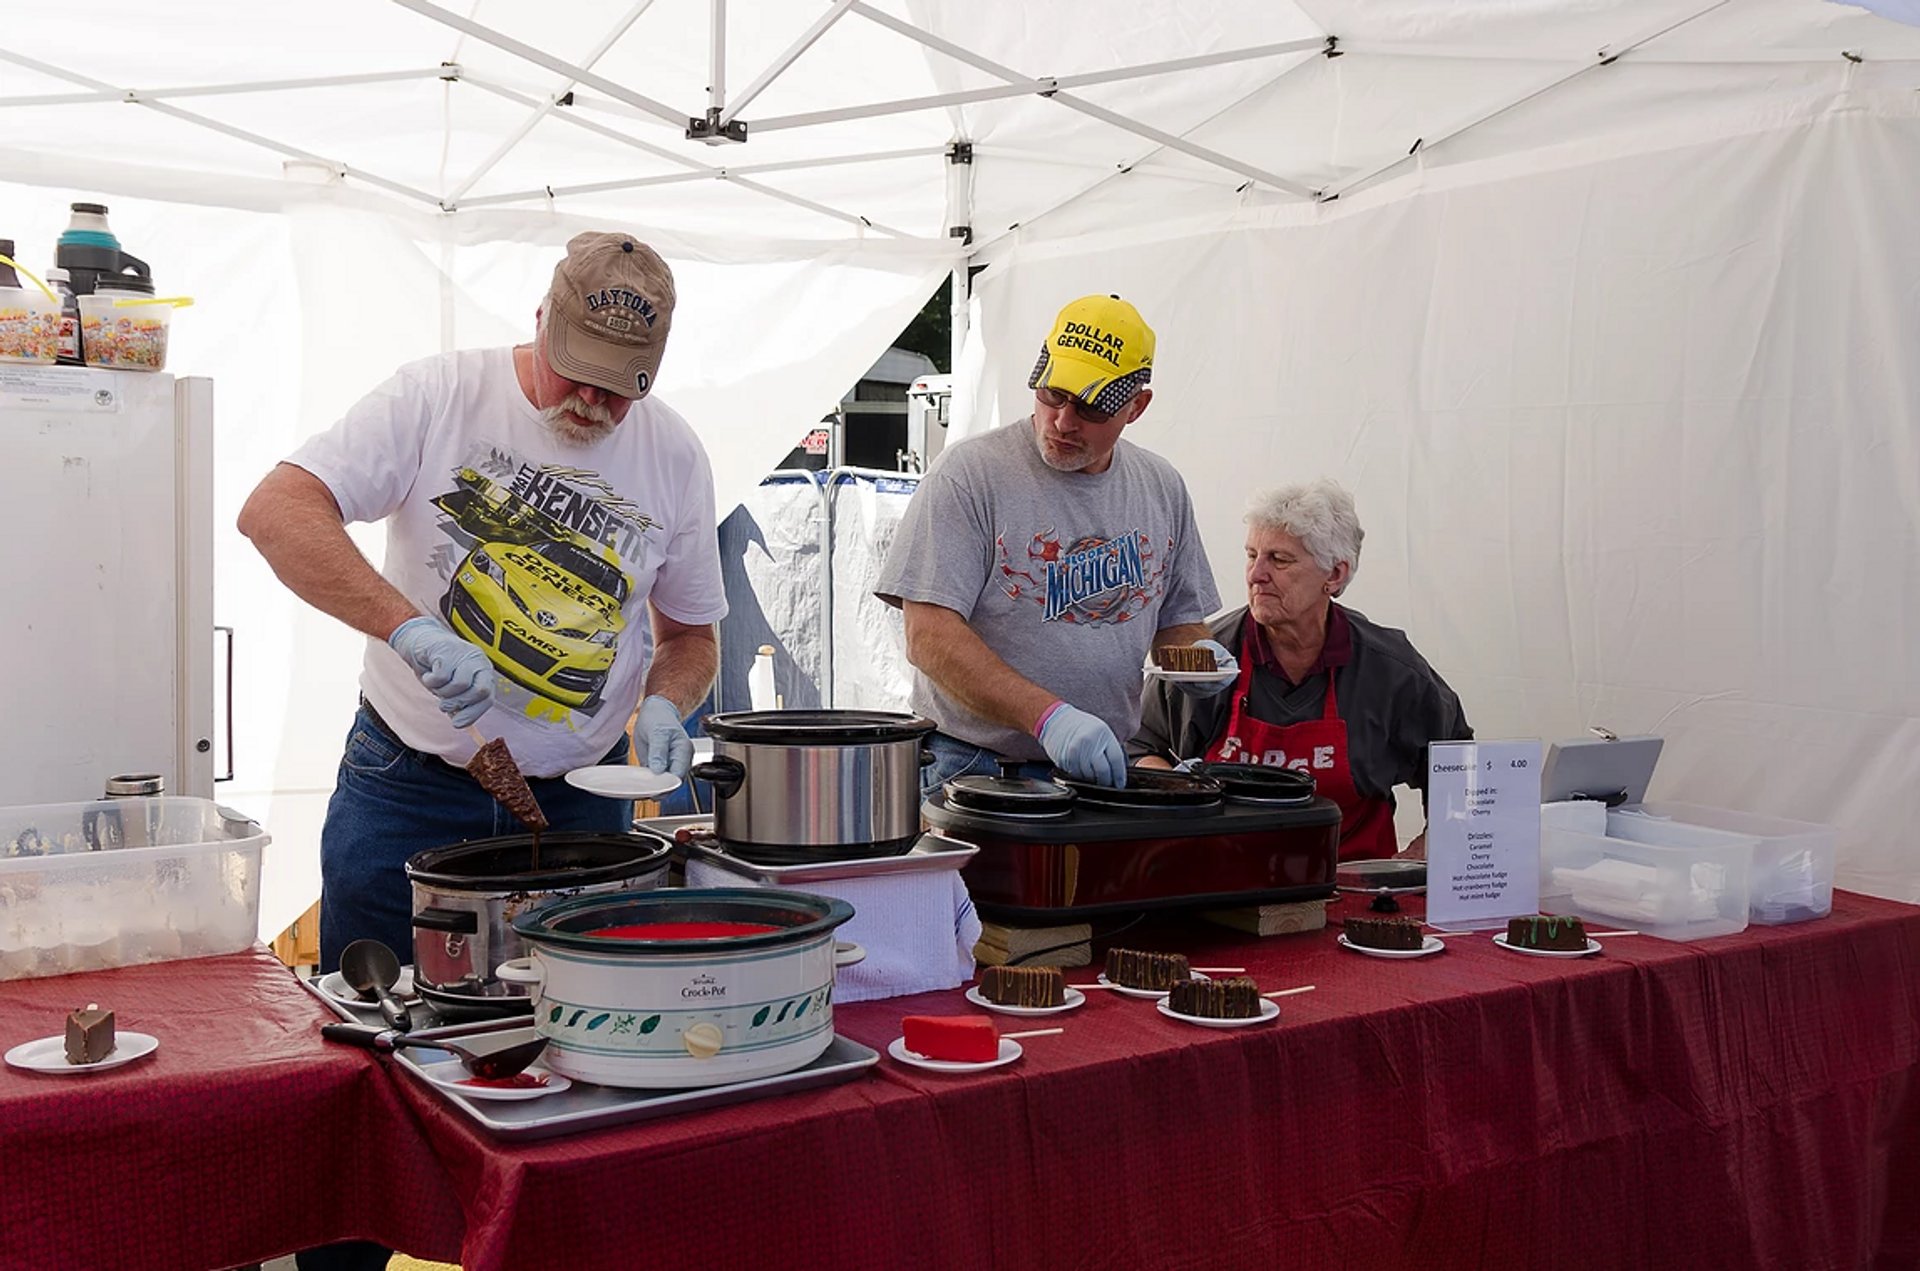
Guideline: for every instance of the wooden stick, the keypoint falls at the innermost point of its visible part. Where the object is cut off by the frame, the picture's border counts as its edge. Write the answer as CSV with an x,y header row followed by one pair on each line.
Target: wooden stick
x,y
1305,988
1095,985
1036,1032
1219,970
1597,934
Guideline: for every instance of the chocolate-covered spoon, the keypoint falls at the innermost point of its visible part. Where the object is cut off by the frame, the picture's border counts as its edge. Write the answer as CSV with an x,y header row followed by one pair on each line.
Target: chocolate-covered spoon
x,y
371,970
490,1065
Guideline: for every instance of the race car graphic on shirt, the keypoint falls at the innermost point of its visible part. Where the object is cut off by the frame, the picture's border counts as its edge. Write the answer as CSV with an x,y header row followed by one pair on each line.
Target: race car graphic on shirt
x,y
541,581
1095,580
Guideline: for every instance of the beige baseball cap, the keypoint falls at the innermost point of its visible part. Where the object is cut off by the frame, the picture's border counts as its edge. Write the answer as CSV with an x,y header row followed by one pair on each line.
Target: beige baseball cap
x,y
608,312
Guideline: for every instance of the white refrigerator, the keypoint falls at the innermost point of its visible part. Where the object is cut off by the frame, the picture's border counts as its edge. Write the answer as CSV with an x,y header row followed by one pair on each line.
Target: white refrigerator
x,y
106,582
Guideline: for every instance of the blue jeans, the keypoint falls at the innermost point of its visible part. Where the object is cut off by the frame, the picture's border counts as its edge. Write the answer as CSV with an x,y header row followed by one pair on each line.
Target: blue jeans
x,y
955,758
391,801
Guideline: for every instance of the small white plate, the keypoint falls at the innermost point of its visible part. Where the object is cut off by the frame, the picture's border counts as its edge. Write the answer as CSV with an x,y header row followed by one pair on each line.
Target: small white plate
x,y
1428,944
1593,946
450,1075
1074,998
623,781
1009,1051
1269,1010
333,985
49,1054
1191,677
1144,994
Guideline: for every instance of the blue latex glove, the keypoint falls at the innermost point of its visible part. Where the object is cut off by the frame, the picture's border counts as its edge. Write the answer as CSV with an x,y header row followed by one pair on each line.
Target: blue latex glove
x,y
1222,661
454,670
661,731
1082,746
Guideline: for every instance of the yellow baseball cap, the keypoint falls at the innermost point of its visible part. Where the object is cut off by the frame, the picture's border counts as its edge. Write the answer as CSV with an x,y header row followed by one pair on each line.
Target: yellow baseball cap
x,y
1100,350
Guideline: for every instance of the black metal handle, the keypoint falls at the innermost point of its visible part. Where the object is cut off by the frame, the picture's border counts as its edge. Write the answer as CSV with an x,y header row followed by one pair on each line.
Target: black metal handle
x,y
228,774
459,922
393,1010
365,1036
723,774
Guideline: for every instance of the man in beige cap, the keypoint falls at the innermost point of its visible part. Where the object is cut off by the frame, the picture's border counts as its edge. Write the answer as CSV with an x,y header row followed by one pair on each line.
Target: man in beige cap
x,y
552,578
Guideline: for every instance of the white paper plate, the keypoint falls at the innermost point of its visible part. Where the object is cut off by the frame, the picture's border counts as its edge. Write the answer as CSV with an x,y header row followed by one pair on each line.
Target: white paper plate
x,y
1009,1051
623,781
1074,998
1144,994
451,1075
1593,946
1269,1010
1428,944
333,985
1190,677
49,1054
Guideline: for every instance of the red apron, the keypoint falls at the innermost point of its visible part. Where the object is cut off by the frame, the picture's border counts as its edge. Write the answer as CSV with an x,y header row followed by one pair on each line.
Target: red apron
x,y
1317,747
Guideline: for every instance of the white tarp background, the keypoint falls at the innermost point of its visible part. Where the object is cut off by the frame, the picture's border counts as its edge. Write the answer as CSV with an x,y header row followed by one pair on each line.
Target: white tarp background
x,y
1634,442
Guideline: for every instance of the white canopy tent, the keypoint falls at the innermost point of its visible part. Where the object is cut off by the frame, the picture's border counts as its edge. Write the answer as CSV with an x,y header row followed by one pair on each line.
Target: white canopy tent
x,y
1598,305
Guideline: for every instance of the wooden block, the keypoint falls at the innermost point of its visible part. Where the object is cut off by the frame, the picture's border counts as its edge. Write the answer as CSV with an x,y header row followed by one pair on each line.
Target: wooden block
x,y
1273,920
299,944
1000,945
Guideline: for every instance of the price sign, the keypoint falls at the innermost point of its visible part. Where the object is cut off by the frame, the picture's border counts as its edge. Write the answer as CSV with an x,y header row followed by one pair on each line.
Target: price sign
x,y
1483,832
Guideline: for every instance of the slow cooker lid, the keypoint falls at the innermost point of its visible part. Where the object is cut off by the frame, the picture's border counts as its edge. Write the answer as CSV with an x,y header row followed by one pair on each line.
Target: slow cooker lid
x,y
796,916
567,859
816,728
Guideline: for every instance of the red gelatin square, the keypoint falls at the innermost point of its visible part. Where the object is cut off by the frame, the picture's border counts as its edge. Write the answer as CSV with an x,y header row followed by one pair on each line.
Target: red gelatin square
x,y
961,1039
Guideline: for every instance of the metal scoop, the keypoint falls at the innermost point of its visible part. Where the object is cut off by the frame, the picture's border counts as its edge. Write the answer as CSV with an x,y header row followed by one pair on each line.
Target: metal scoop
x,y
371,970
489,1065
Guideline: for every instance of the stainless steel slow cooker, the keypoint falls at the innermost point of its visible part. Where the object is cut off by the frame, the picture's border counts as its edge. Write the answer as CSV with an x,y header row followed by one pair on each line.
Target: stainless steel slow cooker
x,y
681,988
816,783
465,899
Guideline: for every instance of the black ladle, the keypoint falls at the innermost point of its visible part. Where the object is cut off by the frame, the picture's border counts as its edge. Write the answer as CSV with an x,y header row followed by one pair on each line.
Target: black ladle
x,y
489,1066
371,970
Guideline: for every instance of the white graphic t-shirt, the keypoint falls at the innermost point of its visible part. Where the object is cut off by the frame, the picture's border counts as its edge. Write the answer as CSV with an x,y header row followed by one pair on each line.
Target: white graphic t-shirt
x,y
545,555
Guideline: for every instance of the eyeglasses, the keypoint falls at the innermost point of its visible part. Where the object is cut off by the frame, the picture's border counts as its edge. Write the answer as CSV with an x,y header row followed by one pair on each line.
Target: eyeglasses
x,y
1054,399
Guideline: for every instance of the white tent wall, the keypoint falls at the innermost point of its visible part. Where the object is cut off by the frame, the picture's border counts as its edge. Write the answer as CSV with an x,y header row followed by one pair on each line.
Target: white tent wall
x,y
1636,441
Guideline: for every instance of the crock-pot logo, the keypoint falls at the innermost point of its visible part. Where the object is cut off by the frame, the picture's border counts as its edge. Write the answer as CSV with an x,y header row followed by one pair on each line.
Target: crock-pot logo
x,y
703,986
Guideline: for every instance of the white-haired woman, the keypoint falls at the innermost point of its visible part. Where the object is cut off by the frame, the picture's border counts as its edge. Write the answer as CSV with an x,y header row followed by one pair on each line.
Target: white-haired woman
x,y
1321,688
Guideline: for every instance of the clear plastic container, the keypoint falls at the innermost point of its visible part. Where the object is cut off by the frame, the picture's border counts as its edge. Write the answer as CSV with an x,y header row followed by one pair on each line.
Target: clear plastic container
x,y
118,882
29,325
1792,878
125,337
1676,881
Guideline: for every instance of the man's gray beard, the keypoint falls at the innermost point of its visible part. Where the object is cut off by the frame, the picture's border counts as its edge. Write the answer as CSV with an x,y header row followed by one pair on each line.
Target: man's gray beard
x,y
555,418
1076,464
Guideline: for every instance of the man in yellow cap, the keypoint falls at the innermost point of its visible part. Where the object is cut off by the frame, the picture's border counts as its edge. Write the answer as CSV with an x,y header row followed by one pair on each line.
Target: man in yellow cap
x,y
552,578
1039,564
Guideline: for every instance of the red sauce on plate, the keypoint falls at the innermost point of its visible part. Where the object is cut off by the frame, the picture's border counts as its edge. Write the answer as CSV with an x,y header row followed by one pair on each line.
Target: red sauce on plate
x,y
681,930
518,1081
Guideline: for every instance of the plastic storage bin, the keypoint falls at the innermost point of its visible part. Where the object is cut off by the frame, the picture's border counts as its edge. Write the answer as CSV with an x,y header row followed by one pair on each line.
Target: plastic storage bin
x,y
1792,878
117,882
1676,881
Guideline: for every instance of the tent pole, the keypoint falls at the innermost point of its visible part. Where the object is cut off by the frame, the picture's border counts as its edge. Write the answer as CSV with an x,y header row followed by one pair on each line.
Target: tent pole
x,y
1045,85
1071,102
717,57
730,172
539,57
214,90
553,99
786,59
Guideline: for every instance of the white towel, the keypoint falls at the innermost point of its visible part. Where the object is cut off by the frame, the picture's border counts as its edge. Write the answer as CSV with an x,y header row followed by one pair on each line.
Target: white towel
x,y
918,929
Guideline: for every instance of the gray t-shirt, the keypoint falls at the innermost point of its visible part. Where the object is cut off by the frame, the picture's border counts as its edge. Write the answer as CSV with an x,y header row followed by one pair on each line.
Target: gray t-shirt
x,y
1066,576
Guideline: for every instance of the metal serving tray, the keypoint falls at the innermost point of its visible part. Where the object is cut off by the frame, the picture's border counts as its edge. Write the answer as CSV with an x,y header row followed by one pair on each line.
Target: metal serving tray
x,y
931,852
584,1106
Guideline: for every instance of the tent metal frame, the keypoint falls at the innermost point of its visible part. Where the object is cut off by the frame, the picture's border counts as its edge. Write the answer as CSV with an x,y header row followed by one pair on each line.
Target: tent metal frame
x,y
724,121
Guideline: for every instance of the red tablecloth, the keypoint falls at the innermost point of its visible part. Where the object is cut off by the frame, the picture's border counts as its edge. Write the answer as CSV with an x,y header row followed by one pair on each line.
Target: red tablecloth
x,y
1752,1101
240,1138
